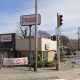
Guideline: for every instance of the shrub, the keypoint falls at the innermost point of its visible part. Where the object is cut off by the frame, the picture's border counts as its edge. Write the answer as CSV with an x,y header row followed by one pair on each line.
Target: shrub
x,y
39,58
50,64
39,64
61,57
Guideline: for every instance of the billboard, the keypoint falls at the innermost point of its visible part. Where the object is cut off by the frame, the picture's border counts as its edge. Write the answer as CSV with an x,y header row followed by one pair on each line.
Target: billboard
x,y
26,20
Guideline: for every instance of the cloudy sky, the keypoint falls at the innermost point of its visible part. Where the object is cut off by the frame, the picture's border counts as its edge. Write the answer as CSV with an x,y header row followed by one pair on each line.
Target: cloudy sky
x,y
11,10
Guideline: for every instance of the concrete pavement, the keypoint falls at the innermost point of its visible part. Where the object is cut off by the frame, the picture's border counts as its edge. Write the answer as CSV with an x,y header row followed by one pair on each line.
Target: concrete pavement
x,y
22,73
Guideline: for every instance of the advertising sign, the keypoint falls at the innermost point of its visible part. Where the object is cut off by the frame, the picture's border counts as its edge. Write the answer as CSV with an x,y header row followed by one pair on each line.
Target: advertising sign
x,y
6,38
26,20
15,61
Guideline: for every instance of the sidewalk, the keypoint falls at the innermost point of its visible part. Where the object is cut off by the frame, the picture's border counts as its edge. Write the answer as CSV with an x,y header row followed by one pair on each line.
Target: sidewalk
x,y
22,73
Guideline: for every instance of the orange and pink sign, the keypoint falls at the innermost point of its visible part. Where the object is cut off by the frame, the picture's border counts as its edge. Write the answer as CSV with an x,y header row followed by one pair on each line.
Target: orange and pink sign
x,y
15,61
26,20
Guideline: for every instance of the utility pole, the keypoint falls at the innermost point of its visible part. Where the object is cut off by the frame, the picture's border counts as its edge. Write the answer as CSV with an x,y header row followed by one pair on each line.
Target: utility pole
x,y
36,26
24,21
78,38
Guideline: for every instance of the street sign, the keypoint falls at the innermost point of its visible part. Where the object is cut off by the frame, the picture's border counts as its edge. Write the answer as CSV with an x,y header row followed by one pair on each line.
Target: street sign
x,y
27,20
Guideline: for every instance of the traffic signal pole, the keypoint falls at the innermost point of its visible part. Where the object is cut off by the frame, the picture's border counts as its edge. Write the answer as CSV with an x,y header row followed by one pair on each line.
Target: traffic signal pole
x,y
58,52
59,23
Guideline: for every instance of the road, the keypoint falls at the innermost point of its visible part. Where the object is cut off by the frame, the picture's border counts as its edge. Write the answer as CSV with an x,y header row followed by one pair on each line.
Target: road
x,y
22,73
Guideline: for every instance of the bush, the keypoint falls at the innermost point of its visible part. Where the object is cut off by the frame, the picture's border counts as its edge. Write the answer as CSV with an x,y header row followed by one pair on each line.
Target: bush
x,y
39,58
39,64
44,64
61,57
50,64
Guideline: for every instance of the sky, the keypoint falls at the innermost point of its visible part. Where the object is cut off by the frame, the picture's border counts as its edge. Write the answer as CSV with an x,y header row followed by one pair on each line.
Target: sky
x,y
11,10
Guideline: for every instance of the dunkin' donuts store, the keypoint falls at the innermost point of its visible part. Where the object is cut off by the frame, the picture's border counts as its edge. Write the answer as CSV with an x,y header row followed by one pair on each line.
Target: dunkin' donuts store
x,y
12,47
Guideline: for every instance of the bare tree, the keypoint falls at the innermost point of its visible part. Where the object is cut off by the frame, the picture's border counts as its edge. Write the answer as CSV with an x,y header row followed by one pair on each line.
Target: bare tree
x,y
64,40
22,31
43,34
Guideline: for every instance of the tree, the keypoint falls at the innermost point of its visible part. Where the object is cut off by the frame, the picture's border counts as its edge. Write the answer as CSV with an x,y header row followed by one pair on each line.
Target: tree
x,y
23,32
43,34
73,44
64,40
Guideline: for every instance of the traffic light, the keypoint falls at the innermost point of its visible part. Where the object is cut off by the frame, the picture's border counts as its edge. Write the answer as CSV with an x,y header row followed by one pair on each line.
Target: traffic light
x,y
59,20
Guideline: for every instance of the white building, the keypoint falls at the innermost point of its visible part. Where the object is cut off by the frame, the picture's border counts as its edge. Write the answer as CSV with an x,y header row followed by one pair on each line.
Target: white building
x,y
46,48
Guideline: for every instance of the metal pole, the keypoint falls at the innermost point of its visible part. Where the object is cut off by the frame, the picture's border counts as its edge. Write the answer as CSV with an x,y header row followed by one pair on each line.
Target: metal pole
x,y
30,47
0,60
58,44
78,38
36,25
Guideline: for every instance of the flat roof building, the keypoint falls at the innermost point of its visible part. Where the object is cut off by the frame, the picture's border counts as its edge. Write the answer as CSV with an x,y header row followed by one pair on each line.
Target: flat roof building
x,y
10,46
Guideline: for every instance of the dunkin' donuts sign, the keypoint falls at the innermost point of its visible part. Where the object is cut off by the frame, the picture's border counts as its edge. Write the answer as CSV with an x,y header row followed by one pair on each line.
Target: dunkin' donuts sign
x,y
26,20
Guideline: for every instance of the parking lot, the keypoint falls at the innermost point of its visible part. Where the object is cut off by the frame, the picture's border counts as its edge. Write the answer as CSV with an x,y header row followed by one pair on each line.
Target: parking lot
x,y
67,70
